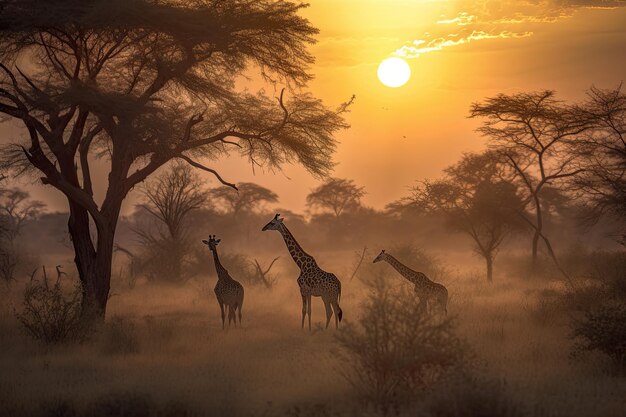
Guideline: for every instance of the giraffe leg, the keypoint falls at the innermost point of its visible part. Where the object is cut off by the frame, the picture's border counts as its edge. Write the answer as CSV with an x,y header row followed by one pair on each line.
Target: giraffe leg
x,y
308,307
239,311
303,309
329,312
337,311
230,314
223,314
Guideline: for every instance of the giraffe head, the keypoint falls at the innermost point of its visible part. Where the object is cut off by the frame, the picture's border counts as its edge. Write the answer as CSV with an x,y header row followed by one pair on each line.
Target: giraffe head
x,y
381,256
212,242
275,224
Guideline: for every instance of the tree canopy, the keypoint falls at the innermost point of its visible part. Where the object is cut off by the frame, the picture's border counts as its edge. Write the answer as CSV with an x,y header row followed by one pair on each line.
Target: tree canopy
x,y
139,83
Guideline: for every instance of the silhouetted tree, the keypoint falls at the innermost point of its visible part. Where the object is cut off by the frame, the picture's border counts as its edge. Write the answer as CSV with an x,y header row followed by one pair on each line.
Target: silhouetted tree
x,y
337,195
246,198
16,209
602,185
475,201
142,82
170,198
531,132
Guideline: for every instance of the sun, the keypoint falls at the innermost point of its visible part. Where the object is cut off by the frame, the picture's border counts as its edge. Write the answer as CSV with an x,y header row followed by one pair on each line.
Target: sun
x,y
394,72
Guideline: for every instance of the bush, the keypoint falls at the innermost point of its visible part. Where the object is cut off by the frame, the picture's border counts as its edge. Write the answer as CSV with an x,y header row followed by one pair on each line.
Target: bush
x,y
51,313
603,330
476,396
396,349
120,337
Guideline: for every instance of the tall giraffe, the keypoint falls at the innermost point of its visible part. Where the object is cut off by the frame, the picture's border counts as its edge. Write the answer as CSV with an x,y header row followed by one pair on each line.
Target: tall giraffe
x,y
426,290
229,292
313,281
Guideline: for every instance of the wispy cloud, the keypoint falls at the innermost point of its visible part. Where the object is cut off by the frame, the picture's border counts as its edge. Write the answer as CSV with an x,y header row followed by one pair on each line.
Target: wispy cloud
x,y
421,46
463,19
478,20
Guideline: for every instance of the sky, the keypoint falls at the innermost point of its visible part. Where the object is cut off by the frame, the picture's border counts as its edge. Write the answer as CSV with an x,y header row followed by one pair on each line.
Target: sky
x,y
459,52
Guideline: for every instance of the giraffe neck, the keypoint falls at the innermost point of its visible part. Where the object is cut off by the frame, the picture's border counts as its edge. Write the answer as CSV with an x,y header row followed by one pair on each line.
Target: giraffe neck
x,y
222,273
404,270
298,254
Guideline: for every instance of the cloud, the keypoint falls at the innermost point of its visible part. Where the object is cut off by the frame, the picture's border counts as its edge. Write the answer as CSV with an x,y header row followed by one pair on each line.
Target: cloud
x,y
485,19
421,46
463,19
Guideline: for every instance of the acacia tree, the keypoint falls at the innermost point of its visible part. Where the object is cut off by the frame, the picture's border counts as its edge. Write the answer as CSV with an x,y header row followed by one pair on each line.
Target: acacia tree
x,y
246,198
474,200
531,132
16,209
602,152
142,82
337,195
169,200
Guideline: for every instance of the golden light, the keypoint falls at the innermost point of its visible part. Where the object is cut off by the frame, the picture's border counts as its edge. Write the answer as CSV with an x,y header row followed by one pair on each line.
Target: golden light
x,y
394,72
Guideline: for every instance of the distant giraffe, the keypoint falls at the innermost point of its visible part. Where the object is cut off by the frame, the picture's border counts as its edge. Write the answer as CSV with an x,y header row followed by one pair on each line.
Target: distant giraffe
x,y
313,281
426,289
229,292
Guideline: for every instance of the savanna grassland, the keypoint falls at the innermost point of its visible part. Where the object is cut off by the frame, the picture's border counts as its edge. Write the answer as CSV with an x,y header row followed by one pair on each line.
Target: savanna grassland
x,y
162,352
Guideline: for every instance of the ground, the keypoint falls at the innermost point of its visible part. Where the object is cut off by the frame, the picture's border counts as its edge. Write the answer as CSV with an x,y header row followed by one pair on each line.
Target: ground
x,y
163,349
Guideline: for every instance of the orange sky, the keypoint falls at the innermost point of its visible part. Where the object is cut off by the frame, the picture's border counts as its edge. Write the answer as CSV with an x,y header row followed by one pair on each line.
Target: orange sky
x,y
459,52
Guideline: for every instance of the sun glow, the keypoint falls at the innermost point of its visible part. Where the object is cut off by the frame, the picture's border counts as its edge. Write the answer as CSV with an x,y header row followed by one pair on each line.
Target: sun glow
x,y
394,72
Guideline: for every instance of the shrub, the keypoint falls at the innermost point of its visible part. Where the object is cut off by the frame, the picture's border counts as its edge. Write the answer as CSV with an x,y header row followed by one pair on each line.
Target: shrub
x,y
120,336
51,313
603,330
477,396
395,348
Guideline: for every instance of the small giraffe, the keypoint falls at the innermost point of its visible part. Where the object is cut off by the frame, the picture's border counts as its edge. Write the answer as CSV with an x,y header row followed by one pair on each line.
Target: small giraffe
x,y
229,292
426,290
313,281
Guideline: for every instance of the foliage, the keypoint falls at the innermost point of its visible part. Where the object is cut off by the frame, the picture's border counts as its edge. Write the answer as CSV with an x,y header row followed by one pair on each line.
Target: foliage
x,y
602,151
337,195
530,132
475,200
140,83
473,396
16,209
603,329
170,199
247,197
51,313
396,349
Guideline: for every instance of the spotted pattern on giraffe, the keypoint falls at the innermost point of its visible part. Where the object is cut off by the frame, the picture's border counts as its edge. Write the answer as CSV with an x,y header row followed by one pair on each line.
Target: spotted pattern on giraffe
x,y
229,293
430,293
313,281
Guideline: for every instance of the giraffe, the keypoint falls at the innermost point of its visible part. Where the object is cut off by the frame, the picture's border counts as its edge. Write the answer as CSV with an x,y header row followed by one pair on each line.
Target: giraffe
x,y
229,292
313,281
426,290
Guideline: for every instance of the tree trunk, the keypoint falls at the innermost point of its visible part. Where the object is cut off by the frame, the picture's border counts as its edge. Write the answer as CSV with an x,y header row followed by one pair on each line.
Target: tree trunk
x,y
489,262
93,265
538,232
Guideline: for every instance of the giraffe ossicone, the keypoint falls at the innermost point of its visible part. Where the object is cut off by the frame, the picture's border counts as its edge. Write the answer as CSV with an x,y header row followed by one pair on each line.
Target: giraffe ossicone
x,y
313,281
427,290
229,292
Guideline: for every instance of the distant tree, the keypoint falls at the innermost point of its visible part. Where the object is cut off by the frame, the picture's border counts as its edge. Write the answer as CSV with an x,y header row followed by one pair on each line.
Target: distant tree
x,y
531,132
16,209
475,201
336,195
246,198
139,83
602,152
169,200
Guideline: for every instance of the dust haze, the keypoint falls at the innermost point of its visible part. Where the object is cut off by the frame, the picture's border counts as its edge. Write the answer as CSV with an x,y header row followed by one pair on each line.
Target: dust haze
x,y
160,279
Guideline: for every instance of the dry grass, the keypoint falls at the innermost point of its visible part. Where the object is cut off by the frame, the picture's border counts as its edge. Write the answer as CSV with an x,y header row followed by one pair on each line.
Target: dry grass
x,y
164,353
